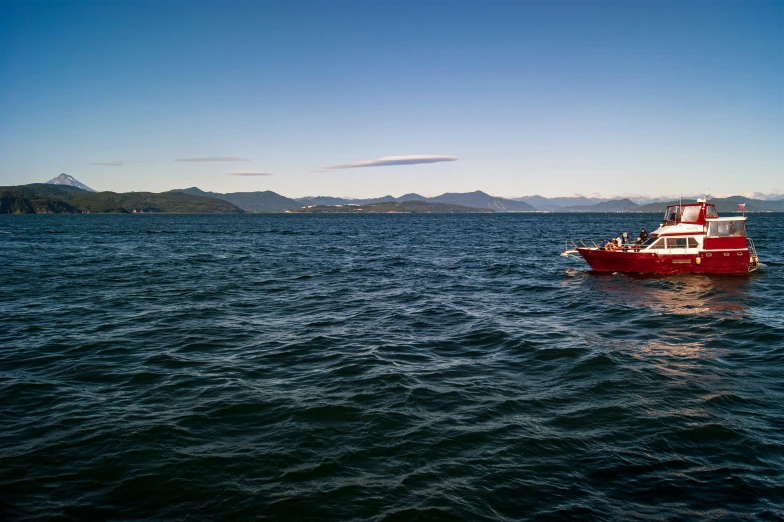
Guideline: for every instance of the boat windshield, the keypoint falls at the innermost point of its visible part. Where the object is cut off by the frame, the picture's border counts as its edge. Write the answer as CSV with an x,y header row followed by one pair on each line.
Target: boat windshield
x,y
673,213
691,214
688,214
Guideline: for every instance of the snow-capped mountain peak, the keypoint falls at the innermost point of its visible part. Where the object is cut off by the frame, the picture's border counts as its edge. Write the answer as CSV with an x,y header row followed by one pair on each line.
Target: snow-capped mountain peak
x,y
65,179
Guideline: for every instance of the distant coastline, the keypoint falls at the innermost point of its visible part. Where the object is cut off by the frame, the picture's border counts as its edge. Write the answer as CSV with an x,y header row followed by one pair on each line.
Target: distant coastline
x,y
66,195
393,207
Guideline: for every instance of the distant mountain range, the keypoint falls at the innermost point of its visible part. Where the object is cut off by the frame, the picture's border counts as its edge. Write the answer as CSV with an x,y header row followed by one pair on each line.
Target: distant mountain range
x,y
392,207
584,204
65,194
766,197
723,205
265,201
543,203
268,201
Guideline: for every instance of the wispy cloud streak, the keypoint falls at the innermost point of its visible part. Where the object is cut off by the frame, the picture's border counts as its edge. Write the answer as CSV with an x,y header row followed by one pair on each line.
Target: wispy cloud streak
x,y
392,160
109,163
249,173
217,158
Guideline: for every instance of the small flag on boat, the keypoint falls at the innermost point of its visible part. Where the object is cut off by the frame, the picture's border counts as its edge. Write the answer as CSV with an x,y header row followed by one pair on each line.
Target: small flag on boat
x,y
742,206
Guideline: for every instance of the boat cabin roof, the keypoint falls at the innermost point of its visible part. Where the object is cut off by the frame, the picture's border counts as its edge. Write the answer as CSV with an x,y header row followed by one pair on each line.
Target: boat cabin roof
x,y
732,218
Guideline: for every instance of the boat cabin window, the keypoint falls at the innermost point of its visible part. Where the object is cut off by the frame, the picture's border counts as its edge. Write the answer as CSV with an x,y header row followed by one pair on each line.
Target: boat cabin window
x,y
688,214
648,242
727,228
711,212
673,213
655,243
682,242
691,214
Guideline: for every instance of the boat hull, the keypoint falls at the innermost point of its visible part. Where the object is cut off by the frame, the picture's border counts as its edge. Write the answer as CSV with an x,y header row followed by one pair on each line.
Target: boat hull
x,y
714,262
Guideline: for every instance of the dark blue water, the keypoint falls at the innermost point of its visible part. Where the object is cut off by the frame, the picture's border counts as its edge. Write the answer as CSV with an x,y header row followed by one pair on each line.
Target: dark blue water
x,y
387,367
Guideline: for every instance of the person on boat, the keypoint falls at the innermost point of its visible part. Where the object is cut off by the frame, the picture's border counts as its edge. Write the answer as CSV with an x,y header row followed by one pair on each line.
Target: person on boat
x,y
603,246
619,242
625,239
732,230
638,243
643,235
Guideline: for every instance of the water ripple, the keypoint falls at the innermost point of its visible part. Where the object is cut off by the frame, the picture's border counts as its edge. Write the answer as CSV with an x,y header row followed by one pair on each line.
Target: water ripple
x,y
379,368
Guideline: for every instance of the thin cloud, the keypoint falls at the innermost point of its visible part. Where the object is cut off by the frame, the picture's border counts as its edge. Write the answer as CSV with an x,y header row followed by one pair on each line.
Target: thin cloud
x,y
109,163
392,160
218,158
249,173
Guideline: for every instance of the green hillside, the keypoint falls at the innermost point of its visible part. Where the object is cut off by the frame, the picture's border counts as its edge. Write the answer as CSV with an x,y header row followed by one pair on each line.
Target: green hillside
x,y
613,205
24,202
40,198
262,201
482,200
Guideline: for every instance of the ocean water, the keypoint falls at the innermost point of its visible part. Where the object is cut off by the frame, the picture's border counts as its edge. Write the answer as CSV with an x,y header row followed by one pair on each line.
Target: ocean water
x,y
380,367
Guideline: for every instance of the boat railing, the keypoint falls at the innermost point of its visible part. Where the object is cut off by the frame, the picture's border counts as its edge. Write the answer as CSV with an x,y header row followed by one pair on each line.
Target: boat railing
x,y
572,246
582,243
569,251
753,258
625,247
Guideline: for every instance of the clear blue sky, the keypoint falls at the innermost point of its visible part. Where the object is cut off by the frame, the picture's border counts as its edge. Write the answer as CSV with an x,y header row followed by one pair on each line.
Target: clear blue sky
x,y
554,98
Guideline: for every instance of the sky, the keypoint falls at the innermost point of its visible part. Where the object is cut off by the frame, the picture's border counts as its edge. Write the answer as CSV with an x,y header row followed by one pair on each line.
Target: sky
x,y
368,98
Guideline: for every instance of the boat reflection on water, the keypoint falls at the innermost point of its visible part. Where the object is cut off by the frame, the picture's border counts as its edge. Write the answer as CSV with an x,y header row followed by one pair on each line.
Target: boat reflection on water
x,y
687,294
667,319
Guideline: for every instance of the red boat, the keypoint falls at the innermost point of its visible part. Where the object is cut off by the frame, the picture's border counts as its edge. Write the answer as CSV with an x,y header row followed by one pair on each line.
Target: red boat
x,y
693,239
